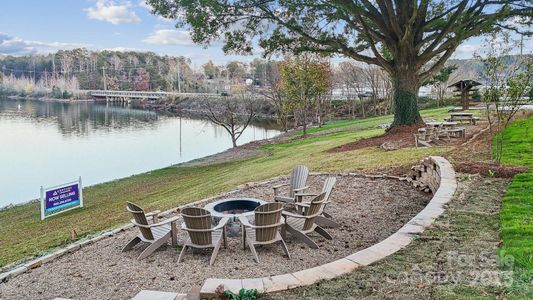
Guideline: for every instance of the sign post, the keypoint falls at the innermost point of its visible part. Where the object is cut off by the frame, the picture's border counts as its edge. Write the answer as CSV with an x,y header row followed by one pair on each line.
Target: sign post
x,y
61,198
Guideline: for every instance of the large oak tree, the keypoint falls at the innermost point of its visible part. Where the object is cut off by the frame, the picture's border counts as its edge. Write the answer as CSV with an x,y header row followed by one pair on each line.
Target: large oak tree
x,y
410,39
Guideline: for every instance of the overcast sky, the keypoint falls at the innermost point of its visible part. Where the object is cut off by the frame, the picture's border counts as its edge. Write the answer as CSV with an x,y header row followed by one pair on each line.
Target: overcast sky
x,y
42,26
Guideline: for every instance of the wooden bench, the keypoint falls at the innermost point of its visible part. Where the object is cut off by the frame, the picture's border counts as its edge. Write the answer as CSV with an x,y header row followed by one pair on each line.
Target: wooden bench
x,y
459,132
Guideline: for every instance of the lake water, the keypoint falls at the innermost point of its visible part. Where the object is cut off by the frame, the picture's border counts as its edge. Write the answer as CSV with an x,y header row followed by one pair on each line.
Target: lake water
x,y
46,144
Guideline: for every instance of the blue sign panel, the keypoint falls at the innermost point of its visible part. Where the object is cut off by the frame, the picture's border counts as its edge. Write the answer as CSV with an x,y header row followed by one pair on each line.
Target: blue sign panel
x,y
61,198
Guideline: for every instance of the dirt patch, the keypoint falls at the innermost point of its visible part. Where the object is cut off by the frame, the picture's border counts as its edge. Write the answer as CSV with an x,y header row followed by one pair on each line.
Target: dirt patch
x,y
368,210
403,137
399,137
489,169
402,170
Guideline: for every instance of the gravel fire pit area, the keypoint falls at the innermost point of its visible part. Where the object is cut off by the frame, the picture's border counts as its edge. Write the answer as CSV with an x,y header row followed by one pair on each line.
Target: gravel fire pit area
x,y
368,210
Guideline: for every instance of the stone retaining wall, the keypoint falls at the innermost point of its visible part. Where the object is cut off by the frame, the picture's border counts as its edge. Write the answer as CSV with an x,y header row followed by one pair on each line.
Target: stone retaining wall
x,y
426,176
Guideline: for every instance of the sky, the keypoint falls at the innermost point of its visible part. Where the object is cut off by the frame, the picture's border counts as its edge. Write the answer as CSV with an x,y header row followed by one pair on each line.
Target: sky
x,y
43,26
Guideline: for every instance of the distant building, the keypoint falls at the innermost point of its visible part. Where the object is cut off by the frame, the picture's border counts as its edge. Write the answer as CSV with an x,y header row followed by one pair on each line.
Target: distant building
x,y
463,89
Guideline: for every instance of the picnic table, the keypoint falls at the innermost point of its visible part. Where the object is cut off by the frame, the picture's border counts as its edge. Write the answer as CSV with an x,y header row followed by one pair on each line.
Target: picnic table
x,y
462,113
434,131
444,124
462,116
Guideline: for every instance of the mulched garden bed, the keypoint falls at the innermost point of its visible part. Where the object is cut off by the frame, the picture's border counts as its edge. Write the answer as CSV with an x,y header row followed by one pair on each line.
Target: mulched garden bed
x,y
369,210
399,137
403,137
489,169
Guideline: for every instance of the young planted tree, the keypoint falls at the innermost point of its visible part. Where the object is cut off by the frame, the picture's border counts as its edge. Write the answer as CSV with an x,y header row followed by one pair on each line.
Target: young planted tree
x,y
411,40
232,113
305,81
507,87
439,82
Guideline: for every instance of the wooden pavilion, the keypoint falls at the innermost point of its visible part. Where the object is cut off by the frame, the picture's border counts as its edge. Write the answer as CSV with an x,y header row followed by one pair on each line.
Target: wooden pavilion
x,y
463,89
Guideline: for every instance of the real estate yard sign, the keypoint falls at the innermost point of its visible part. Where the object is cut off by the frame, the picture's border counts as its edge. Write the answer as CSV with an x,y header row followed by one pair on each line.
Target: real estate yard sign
x,y
61,198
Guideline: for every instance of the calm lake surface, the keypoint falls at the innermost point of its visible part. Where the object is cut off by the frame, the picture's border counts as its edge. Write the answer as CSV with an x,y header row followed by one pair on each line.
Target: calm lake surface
x,y
49,143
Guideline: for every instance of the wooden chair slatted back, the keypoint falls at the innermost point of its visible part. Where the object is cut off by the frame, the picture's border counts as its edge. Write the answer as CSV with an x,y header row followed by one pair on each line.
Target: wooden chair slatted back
x,y
198,218
298,178
314,209
268,216
429,133
140,218
329,184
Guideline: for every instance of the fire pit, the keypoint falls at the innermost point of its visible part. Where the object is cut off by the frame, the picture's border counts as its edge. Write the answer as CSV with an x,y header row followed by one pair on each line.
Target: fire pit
x,y
234,208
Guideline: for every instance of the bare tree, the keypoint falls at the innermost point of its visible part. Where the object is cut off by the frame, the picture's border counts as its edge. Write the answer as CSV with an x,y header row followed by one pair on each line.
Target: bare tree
x,y
372,74
276,95
351,78
387,89
506,87
234,114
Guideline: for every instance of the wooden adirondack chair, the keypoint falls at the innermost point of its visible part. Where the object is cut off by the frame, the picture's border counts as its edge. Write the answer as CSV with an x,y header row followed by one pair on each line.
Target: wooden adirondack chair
x,y
324,219
266,228
198,223
156,234
297,182
424,136
299,225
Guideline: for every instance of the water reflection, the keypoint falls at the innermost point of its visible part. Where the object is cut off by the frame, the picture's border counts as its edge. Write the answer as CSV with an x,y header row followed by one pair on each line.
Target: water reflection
x,y
50,143
78,118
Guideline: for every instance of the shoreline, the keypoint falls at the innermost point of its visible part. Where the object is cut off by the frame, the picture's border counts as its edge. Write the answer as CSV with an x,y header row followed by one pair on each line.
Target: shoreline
x,y
244,151
46,99
166,107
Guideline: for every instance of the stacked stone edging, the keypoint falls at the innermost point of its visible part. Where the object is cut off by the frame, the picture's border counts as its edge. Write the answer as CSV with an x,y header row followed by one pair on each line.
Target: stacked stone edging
x,y
435,173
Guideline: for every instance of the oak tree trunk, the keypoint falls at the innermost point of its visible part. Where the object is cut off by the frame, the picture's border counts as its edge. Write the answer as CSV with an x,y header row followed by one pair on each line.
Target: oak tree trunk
x,y
406,85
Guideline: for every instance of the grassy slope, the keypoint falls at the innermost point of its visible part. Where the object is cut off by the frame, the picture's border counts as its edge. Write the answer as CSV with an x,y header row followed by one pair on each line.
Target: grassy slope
x,y
22,234
437,114
516,217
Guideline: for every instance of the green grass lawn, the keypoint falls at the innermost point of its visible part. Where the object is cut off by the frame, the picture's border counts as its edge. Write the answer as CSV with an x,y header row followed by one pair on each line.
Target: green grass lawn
x,y
23,234
436,113
516,216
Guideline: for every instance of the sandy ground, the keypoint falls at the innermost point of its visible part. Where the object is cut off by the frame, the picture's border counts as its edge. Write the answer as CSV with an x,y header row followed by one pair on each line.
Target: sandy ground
x,y
368,210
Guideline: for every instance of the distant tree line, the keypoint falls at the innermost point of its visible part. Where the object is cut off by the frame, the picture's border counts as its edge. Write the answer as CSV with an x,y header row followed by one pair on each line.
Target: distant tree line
x,y
81,69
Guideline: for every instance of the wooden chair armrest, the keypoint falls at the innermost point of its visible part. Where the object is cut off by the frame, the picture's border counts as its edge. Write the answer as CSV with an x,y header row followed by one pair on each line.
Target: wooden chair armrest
x,y
306,195
139,225
155,212
166,221
292,215
277,187
303,204
154,215
301,189
245,222
280,186
221,224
